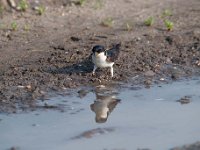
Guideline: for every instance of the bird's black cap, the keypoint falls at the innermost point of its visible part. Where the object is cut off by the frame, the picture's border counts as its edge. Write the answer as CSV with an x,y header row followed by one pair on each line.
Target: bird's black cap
x,y
98,49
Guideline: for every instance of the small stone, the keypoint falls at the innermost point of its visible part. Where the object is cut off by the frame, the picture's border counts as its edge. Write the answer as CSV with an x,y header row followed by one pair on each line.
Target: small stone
x,y
175,73
21,86
147,82
101,86
12,3
138,39
35,125
168,61
73,38
149,73
162,79
184,100
28,87
82,93
197,63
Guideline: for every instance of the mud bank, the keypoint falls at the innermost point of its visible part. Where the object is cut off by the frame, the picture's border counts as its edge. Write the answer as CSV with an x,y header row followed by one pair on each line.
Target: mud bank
x,y
53,54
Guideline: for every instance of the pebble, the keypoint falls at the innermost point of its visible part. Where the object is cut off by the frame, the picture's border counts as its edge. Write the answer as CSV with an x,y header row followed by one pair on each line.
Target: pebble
x,y
149,73
35,125
184,100
82,93
138,39
168,61
101,86
21,86
147,82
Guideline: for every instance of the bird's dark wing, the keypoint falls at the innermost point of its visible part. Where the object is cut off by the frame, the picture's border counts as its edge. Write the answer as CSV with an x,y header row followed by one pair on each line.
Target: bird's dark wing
x,y
113,53
113,104
92,107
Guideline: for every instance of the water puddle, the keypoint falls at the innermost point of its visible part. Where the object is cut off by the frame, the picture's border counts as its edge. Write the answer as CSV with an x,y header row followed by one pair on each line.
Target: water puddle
x,y
161,117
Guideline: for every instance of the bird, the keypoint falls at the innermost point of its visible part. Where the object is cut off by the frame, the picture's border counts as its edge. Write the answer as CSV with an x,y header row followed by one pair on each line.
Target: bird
x,y
103,58
103,106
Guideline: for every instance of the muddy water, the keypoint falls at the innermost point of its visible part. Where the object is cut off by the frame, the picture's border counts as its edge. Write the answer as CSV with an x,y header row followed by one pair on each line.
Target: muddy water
x,y
108,118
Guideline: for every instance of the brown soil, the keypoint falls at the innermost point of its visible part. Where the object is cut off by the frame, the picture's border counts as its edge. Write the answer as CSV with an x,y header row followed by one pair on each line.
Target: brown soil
x,y
51,52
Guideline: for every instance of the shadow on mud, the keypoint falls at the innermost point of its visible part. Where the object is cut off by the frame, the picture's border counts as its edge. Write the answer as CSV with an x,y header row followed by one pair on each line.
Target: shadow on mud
x,y
85,66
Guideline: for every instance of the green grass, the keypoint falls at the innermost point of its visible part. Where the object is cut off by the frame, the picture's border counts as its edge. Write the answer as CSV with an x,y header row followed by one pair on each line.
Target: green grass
x,y
108,22
1,9
169,25
40,10
149,21
166,13
14,26
23,5
128,26
98,4
26,27
80,2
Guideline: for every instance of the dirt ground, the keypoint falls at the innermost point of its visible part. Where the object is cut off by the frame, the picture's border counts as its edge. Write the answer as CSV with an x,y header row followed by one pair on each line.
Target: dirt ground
x,y
40,54
51,52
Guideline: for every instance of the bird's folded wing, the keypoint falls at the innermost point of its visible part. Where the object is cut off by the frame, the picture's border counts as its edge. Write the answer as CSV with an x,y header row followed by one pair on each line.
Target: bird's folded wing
x,y
113,104
113,53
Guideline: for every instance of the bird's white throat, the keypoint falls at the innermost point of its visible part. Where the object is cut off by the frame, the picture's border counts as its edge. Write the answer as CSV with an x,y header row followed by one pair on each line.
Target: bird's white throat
x,y
99,59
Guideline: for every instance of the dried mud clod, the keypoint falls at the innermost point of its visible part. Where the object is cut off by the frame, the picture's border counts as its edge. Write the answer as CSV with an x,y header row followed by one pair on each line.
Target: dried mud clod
x,y
94,132
185,100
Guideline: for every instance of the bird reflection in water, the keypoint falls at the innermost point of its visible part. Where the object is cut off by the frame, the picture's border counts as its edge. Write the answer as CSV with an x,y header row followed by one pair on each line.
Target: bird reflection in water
x,y
104,104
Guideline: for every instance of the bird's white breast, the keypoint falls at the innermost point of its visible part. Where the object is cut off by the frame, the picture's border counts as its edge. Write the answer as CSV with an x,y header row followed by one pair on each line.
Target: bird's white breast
x,y
100,60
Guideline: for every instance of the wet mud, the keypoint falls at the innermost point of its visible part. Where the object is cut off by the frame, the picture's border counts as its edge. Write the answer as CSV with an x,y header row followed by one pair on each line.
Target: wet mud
x,y
54,53
110,118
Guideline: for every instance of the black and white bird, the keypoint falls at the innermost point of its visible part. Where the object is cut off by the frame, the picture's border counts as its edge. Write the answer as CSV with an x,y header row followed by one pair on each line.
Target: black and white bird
x,y
103,106
103,58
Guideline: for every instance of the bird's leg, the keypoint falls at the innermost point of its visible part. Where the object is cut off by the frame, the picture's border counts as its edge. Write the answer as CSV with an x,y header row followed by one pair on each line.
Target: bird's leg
x,y
94,69
111,71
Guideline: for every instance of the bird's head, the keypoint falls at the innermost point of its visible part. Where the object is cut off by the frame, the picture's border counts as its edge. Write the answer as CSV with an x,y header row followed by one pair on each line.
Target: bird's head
x,y
98,49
